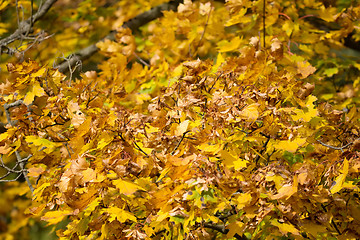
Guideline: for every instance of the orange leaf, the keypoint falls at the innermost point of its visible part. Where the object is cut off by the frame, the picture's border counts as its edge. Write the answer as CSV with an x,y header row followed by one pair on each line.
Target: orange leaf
x,y
5,149
305,69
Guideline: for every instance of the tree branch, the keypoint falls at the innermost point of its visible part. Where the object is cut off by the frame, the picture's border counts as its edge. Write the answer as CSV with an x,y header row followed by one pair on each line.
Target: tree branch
x,y
337,148
178,144
133,24
25,26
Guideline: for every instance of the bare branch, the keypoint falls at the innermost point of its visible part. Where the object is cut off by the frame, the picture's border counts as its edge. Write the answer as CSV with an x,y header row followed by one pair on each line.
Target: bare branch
x,y
10,180
10,170
25,26
141,60
337,148
14,104
178,144
139,149
263,148
133,24
203,33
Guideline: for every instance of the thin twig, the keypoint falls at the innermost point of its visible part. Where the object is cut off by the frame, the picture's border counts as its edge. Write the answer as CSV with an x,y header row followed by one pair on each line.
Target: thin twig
x,y
10,170
25,26
217,78
263,148
11,180
337,148
141,60
178,144
139,149
203,33
31,17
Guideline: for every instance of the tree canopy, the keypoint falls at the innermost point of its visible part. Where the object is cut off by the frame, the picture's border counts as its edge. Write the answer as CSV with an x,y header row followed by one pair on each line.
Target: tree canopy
x,y
234,119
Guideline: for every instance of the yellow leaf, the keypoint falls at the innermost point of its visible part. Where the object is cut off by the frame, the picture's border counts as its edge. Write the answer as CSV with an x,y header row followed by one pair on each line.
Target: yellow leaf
x,y
285,228
177,161
54,217
120,214
250,112
238,18
105,139
38,90
4,4
57,77
313,228
100,177
126,187
287,190
328,14
91,207
236,227
242,199
161,216
4,136
228,158
210,148
29,98
148,151
219,60
109,46
350,185
39,73
310,113
339,181
86,147
232,161
288,27
163,174
40,189
44,144
111,175
290,146
35,210
182,128
225,46
240,164
89,175
112,118
277,179
84,127
77,117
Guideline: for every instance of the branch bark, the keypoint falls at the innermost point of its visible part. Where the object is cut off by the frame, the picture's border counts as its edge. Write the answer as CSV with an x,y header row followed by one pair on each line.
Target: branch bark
x,y
25,26
133,24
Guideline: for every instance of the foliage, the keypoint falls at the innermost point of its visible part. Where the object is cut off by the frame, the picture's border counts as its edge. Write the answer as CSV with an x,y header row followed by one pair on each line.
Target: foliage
x,y
194,126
